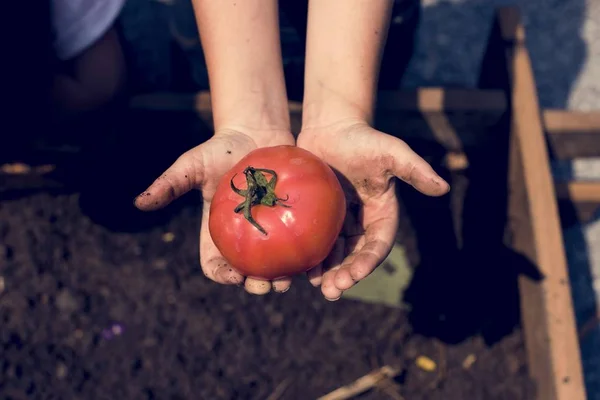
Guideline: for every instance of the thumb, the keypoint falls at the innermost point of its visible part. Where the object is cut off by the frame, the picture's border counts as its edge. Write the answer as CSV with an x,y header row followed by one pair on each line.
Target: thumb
x,y
414,170
185,174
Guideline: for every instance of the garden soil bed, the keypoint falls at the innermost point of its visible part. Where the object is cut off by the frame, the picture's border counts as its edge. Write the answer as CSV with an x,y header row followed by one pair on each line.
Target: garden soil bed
x,y
91,311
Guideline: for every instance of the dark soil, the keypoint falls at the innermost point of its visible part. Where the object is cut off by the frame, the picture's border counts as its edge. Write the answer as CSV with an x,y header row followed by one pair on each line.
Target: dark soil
x,y
68,280
91,310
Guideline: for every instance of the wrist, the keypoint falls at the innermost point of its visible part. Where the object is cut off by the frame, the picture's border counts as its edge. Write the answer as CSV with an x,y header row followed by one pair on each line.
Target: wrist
x,y
261,110
241,46
325,107
262,116
331,109
260,138
250,95
343,52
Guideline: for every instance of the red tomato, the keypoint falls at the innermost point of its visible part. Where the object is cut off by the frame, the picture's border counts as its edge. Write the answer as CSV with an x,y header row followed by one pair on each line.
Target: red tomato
x,y
294,220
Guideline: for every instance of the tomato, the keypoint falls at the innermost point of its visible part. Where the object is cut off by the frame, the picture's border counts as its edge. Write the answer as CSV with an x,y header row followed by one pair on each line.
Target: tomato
x,y
277,212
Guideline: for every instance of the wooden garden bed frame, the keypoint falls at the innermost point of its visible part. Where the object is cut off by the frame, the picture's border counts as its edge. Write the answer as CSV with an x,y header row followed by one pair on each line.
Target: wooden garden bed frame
x,y
507,86
546,306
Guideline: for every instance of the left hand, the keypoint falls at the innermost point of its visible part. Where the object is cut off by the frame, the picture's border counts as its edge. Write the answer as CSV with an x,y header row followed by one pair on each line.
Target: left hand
x,y
202,168
367,161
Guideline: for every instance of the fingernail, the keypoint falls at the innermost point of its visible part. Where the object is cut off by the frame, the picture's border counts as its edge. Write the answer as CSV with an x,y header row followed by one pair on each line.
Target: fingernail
x,y
227,276
144,193
336,299
281,291
441,182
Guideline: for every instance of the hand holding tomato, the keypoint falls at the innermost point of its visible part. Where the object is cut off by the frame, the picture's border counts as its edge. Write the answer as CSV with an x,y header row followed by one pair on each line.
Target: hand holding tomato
x,y
368,160
202,168
277,213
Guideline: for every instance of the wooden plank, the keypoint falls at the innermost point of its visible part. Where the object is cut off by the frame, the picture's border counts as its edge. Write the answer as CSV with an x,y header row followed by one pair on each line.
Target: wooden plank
x,y
433,104
547,307
440,100
579,192
189,102
584,192
568,122
426,100
423,120
572,134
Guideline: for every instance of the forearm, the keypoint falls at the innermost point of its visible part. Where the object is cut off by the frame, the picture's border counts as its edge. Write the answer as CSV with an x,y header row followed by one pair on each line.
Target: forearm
x,y
241,45
345,41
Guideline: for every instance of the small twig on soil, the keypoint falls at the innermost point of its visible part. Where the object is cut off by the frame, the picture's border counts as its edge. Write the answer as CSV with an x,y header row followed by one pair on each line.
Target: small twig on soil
x,y
361,384
280,389
386,385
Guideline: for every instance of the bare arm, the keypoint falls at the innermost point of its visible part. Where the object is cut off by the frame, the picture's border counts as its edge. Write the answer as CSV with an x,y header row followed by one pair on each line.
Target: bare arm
x,y
345,41
241,44
345,45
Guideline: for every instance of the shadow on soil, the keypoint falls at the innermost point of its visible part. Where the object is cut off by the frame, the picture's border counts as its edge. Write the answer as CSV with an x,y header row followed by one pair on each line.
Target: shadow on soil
x,y
466,280
140,149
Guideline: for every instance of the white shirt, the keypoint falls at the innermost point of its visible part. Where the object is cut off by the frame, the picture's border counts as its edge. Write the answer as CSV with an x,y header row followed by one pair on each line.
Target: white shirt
x,y
80,23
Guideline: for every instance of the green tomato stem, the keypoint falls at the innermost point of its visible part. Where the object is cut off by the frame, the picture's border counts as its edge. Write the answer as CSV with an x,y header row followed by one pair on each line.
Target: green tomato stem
x,y
259,191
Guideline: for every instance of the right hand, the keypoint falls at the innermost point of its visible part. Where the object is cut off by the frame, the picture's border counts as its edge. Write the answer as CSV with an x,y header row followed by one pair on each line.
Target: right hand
x,y
202,168
370,161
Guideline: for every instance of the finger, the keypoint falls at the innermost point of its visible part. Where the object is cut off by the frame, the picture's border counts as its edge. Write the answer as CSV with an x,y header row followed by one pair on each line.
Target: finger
x,y
184,175
378,242
282,285
315,275
414,170
343,278
212,262
330,266
354,243
257,286
336,256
